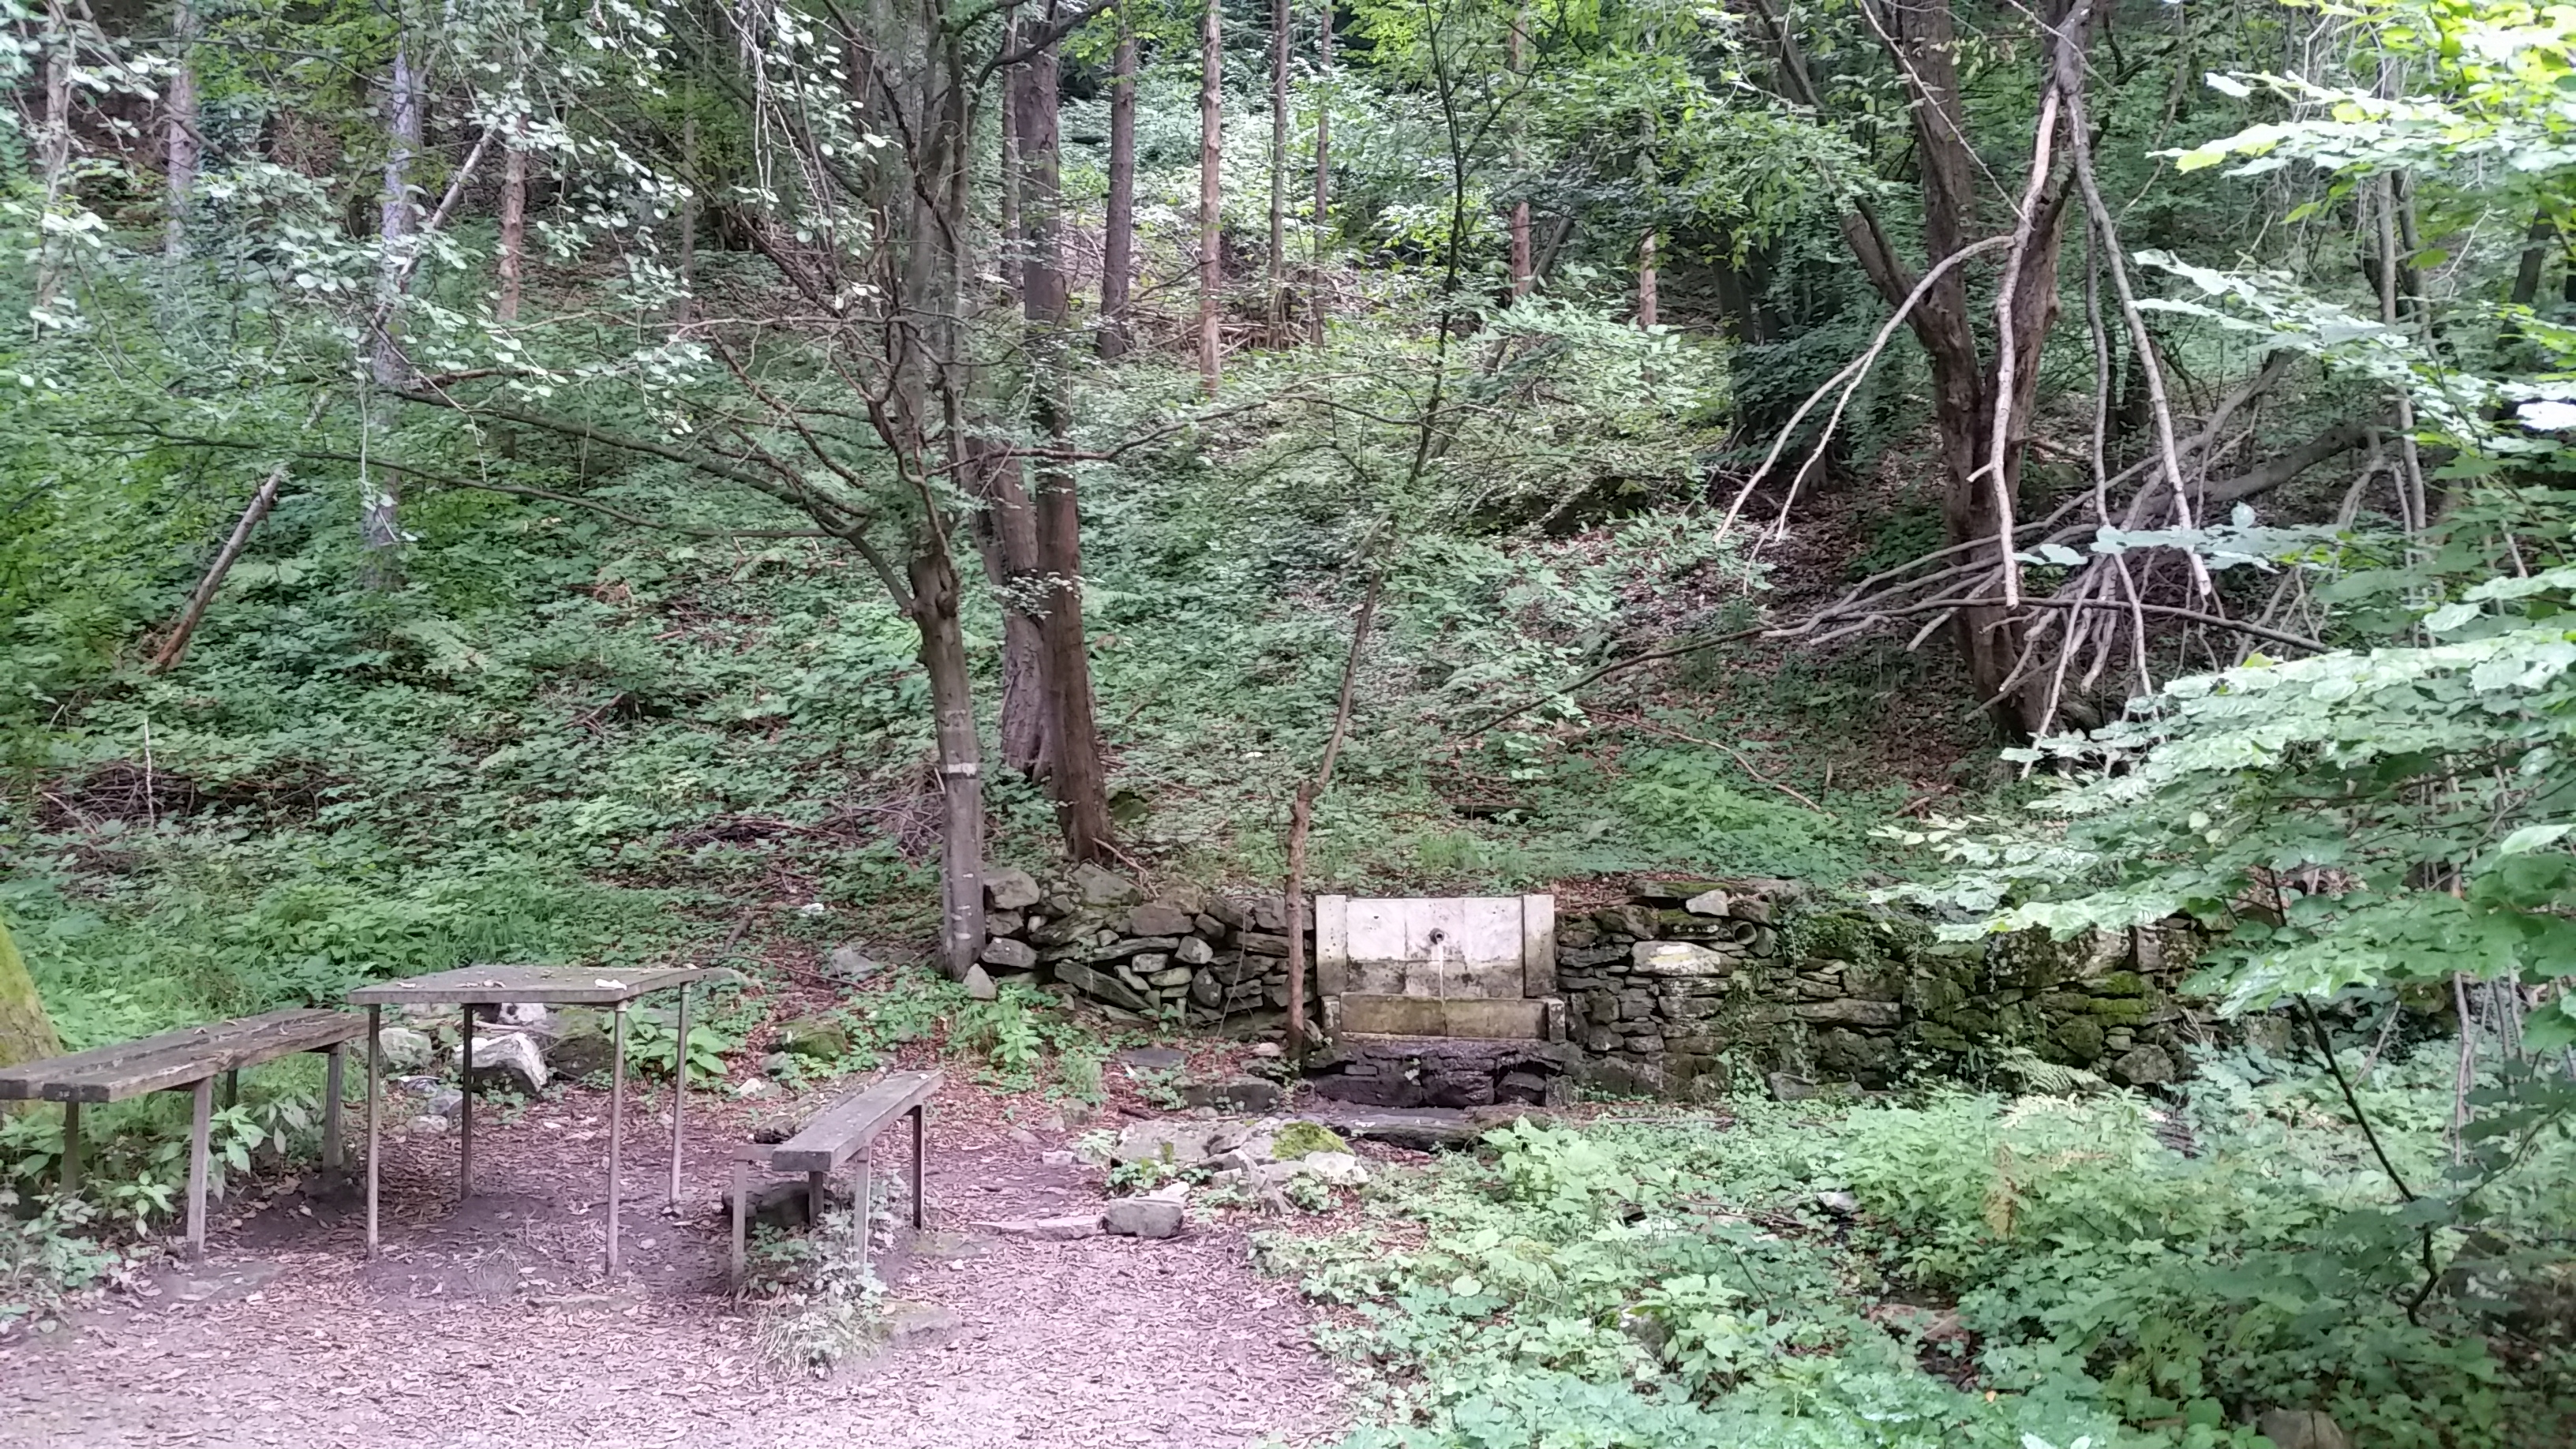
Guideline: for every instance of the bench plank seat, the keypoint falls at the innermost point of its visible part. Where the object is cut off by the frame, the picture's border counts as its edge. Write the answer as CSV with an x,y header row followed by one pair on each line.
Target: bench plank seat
x,y
843,1130
177,1058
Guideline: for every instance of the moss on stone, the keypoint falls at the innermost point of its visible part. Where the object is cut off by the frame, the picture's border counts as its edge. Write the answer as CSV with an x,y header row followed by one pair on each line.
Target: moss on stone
x,y
1299,1139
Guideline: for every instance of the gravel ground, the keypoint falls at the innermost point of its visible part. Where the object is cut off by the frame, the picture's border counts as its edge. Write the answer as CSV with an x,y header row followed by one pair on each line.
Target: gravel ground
x,y
486,1323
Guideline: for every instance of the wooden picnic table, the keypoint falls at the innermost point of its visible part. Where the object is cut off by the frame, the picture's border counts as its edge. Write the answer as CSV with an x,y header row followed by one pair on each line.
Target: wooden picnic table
x,y
472,986
190,1059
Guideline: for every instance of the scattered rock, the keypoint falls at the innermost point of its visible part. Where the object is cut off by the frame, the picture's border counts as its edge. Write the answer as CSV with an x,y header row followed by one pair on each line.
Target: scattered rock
x,y
1241,1094
1335,1169
1157,1140
528,1016
1923,1325
1048,1230
1010,889
1787,1087
405,1050
582,1044
2145,1066
509,1060
2301,1429
787,1203
911,1325
778,1064
979,985
1012,955
1098,887
1302,1139
849,965
427,1125
756,1087
1267,1050
819,1037
1707,903
1156,1215
1057,1157
1840,1204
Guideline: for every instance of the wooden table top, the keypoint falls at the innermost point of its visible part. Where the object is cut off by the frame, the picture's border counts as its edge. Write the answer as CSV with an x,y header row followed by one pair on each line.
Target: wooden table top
x,y
546,985
179,1058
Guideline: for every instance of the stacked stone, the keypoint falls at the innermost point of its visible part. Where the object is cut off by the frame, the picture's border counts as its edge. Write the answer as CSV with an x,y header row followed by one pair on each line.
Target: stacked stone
x,y
1654,988
1211,960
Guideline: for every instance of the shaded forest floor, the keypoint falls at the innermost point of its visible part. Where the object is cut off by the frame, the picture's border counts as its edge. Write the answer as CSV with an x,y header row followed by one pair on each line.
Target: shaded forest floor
x,y
488,1323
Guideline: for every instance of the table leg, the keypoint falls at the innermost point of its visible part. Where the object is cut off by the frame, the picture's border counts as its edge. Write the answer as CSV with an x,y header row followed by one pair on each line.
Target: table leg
x,y
465,1112
920,1181
741,1216
375,1071
71,1147
200,1125
859,1194
334,1069
679,1092
616,1125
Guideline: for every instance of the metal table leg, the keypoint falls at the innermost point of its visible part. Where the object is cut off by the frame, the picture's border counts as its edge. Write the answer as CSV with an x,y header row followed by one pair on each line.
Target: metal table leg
x,y
71,1173
860,1193
616,1125
200,1124
465,1112
920,1182
375,1070
741,1216
679,1093
334,1067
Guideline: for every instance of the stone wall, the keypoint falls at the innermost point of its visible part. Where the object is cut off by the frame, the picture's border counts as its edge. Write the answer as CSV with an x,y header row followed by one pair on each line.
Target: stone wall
x,y
1694,980
1210,960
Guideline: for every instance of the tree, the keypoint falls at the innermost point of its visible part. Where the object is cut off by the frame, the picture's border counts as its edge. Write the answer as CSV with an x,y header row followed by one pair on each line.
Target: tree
x,y
26,1032
1211,191
1118,220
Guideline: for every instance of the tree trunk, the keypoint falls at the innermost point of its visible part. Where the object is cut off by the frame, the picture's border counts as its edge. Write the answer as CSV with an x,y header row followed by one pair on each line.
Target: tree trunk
x,y
1278,261
380,515
688,309
54,152
26,1033
1521,273
1211,189
514,223
175,647
179,122
933,577
1006,537
1323,170
1646,280
1014,234
1118,239
1075,777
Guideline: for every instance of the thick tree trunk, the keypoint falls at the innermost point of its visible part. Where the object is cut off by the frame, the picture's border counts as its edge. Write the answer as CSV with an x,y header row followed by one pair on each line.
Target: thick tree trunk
x,y
1075,777
1007,203
179,141
1323,170
380,506
514,223
26,1033
1278,259
1006,537
934,590
1211,190
1118,239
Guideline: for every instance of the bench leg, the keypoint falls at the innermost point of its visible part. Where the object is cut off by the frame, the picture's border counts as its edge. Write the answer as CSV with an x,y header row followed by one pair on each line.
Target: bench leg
x,y
861,1191
375,1073
465,1112
616,1125
334,1068
679,1093
71,1147
741,1217
920,1181
232,1089
200,1123
818,1192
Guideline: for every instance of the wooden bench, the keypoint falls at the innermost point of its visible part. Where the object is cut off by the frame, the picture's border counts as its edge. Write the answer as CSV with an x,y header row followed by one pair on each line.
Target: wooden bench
x,y
189,1058
841,1134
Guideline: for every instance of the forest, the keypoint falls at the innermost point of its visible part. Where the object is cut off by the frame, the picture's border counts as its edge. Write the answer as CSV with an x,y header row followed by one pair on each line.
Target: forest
x,y
746,483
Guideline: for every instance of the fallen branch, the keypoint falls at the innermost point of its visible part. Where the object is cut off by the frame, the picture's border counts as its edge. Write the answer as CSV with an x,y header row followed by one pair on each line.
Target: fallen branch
x,y
175,647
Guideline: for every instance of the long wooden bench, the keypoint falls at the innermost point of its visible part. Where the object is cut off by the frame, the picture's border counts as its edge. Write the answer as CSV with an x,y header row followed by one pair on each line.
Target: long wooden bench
x,y
838,1135
190,1058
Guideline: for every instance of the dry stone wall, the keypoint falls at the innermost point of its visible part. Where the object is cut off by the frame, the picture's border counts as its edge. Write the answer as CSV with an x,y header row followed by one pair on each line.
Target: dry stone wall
x,y
1207,959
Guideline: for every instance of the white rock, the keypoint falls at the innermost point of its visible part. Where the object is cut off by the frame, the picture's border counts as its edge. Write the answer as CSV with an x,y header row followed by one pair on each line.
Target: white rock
x,y
1335,1169
428,1124
1708,903
404,1050
1049,1230
511,1060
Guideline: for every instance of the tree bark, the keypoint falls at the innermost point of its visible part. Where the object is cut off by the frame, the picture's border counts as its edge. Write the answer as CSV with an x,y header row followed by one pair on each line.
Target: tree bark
x,y
1646,280
1014,233
1211,190
1278,260
179,142
175,647
688,218
1006,537
54,150
380,508
952,706
1118,238
1301,817
514,223
1521,274
1075,777
26,1032
1323,170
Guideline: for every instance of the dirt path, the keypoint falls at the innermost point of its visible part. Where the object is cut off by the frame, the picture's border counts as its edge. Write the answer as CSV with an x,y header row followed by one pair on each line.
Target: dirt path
x,y
486,1324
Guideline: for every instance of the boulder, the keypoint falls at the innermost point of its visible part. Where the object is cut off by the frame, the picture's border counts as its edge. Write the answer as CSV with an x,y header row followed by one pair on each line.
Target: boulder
x,y
1152,1059
428,1124
1008,954
2302,1429
1154,918
581,1045
1335,1169
1005,923
848,965
1098,887
1707,903
1009,889
404,1050
2144,1066
509,1059
1840,1204
1787,1087
1158,1214
1176,1143
818,1037
527,1016
1637,922
979,985
1064,1229
778,1064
